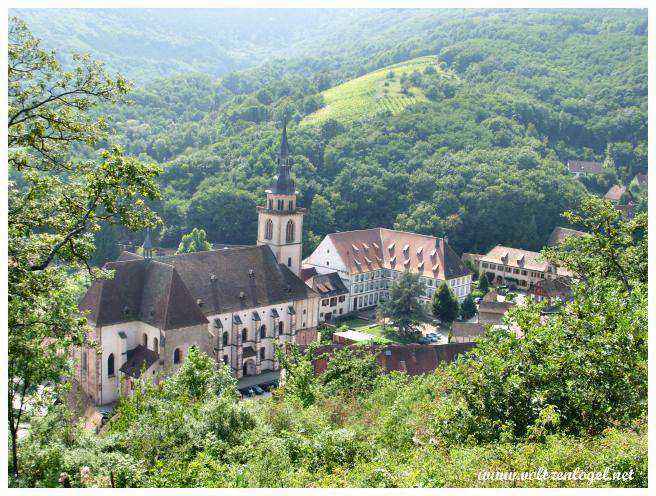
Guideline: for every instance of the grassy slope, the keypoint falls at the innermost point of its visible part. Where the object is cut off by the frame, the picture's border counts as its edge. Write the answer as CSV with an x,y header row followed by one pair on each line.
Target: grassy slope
x,y
368,94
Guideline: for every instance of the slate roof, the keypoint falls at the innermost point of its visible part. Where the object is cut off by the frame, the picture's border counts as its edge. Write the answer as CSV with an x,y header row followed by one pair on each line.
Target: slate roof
x,y
560,234
328,284
371,249
182,290
147,291
583,166
308,272
284,184
498,307
139,358
466,332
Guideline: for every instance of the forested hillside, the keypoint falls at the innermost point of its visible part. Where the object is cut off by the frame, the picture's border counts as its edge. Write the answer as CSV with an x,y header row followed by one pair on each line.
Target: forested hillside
x,y
479,157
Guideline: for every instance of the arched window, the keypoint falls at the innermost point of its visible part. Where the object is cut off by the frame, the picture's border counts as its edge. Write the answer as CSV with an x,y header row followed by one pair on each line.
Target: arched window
x,y
155,345
225,338
289,238
268,229
281,327
244,334
263,331
144,340
262,353
176,355
110,365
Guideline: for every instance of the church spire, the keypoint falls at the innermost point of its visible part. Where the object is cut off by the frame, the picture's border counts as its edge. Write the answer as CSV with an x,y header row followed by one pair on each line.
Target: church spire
x,y
283,156
284,182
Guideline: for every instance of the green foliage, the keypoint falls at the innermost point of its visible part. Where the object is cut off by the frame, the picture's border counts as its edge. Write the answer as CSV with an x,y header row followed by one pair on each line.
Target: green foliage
x,y
195,241
56,204
444,304
213,204
361,97
489,142
483,283
468,308
350,371
403,307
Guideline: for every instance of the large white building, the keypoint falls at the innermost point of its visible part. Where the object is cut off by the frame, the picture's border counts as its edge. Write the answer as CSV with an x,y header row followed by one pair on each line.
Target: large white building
x,y
369,260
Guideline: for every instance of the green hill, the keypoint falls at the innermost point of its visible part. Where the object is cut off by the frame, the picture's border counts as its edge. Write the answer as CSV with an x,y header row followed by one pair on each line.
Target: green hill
x,y
389,88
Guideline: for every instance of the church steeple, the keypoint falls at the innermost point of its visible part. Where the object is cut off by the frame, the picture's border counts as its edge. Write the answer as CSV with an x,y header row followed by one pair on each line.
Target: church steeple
x,y
284,183
280,221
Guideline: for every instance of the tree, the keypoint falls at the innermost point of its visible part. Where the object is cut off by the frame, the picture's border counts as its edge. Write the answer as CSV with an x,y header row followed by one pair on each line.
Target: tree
x,y
56,204
444,304
580,371
226,213
403,307
352,371
468,308
195,241
483,283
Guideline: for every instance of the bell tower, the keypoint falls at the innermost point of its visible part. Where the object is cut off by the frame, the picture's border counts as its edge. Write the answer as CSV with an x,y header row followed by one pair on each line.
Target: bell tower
x,y
280,221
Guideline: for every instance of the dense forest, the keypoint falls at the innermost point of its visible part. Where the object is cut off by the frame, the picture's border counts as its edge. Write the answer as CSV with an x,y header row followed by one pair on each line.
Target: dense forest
x,y
512,96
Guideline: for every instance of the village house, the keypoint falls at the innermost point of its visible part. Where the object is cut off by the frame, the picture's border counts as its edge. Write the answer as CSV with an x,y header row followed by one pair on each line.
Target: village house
x,y
523,268
579,167
368,261
413,359
333,295
615,193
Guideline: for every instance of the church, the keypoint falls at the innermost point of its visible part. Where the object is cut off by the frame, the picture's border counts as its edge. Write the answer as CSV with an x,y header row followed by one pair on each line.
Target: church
x,y
234,304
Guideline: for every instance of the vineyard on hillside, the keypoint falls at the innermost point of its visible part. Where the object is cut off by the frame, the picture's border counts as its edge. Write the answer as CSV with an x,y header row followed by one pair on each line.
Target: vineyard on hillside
x,y
387,89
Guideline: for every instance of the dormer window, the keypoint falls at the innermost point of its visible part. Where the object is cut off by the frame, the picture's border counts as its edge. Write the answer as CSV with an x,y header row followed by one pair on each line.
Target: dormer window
x,y
406,248
391,247
420,250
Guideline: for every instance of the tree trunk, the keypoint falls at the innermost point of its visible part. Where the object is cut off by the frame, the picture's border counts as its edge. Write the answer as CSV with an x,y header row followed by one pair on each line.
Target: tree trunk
x,y
14,450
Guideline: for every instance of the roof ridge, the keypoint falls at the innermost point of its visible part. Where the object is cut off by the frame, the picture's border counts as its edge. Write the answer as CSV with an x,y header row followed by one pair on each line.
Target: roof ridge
x,y
168,297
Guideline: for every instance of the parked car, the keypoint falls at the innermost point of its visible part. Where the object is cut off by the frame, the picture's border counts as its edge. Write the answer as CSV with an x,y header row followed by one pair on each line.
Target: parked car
x,y
503,289
246,392
258,390
423,340
268,386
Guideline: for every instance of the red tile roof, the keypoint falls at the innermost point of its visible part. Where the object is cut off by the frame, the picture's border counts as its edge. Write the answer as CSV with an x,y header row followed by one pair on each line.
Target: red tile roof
x,y
414,359
371,249
615,192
